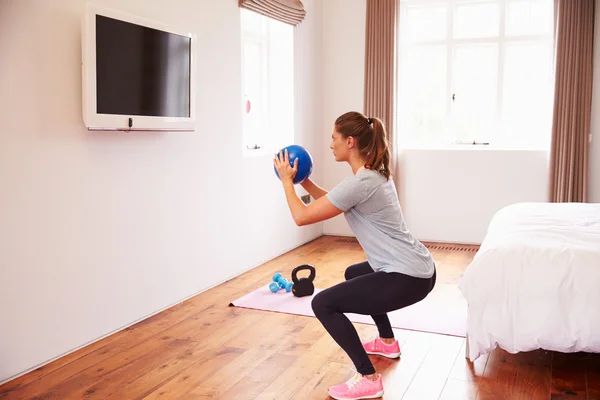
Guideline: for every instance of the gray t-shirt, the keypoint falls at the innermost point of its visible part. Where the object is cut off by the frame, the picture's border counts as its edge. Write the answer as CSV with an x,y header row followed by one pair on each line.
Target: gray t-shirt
x,y
371,207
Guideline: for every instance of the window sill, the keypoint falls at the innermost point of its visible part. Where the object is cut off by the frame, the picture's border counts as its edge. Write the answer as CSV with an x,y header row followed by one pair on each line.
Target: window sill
x,y
471,147
258,152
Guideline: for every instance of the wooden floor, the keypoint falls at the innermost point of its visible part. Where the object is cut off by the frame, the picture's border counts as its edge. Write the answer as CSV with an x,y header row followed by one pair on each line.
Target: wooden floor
x,y
203,349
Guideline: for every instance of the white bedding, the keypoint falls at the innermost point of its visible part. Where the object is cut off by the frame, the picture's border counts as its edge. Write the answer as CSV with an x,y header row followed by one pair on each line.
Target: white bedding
x,y
535,282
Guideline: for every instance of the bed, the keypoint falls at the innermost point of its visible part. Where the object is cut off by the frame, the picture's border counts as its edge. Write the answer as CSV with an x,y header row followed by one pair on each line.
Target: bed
x,y
535,281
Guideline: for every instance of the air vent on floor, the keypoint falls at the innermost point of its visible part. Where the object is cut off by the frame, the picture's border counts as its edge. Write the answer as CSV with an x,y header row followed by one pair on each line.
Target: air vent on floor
x,y
451,247
430,246
347,240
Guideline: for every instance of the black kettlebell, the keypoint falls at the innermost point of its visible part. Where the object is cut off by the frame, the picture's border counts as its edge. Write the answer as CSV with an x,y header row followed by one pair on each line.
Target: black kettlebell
x,y
303,286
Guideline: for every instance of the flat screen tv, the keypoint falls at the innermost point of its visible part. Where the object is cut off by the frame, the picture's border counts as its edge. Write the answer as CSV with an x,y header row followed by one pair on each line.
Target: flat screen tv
x,y
137,74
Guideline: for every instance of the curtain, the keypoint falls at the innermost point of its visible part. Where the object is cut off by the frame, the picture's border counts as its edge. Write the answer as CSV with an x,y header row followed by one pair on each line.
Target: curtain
x,y
569,151
289,11
380,71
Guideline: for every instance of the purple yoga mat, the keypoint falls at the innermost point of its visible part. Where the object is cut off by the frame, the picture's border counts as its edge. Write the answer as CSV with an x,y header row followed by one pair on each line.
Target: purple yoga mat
x,y
443,311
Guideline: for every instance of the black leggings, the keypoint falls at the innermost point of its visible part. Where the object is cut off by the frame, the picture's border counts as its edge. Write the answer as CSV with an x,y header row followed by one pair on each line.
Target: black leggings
x,y
371,293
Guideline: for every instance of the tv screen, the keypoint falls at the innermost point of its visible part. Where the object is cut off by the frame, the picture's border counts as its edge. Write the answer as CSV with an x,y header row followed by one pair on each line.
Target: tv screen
x,y
141,71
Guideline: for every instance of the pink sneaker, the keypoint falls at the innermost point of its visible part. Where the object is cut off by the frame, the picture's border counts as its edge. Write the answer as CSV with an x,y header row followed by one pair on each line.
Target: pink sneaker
x,y
377,346
358,387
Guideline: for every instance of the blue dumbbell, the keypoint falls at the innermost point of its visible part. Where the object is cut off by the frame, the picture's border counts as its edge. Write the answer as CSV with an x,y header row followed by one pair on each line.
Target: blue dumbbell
x,y
274,287
281,282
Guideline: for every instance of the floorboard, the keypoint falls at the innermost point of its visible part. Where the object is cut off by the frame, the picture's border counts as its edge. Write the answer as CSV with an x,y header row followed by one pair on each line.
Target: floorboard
x,y
204,349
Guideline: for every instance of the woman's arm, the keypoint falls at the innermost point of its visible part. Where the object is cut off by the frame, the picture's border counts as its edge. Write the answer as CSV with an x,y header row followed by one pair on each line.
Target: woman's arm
x,y
320,210
313,189
303,214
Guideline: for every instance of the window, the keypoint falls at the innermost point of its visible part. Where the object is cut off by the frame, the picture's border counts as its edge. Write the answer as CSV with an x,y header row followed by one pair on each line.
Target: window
x,y
268,83
475,71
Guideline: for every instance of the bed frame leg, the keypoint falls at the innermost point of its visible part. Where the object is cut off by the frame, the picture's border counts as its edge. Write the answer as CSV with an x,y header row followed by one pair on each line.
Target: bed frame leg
x,y
467,348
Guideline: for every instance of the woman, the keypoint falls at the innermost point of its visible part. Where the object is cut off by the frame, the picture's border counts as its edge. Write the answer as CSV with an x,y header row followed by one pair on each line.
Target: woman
x,y
399,270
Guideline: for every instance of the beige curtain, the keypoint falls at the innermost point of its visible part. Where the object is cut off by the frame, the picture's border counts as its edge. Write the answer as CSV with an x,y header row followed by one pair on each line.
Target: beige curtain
x,y
289,11
379,62
380,71
574,35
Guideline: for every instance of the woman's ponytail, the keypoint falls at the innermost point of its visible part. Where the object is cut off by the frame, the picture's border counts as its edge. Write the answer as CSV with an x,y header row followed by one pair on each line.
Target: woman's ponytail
x,y
377,152
371,136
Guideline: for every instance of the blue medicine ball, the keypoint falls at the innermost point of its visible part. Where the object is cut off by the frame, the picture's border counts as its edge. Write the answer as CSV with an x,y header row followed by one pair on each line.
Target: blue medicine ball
x,y
305,163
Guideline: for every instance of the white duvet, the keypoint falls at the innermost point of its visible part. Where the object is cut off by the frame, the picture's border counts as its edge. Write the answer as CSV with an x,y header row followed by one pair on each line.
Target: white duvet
x,y
535,282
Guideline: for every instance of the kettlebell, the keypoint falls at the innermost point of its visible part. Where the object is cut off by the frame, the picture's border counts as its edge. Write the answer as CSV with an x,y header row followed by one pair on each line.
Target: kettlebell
x,y
303,286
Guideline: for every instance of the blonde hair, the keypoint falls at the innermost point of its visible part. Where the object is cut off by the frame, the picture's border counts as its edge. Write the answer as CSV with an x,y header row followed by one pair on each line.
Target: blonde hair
x,y
371,138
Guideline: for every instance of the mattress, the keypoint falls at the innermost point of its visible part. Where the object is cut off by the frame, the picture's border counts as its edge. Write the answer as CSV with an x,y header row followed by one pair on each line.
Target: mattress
x,y
535,282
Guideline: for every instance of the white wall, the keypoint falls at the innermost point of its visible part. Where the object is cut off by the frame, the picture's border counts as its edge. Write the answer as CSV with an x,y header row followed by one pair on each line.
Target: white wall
x,y
343,88
99,230
446,195
594,166
451,195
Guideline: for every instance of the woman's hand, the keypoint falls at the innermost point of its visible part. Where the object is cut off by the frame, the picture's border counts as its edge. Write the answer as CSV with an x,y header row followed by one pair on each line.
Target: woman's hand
x,y
284,169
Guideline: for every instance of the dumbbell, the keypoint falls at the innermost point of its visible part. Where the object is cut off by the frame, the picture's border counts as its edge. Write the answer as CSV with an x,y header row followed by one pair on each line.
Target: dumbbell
x,y
279,282
283,282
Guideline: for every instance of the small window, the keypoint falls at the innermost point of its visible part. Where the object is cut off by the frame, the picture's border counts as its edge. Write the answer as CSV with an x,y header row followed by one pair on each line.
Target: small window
x,y
268,83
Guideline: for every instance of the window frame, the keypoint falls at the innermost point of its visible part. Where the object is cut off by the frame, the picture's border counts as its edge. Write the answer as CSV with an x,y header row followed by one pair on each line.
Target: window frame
x,y
447,138
265,143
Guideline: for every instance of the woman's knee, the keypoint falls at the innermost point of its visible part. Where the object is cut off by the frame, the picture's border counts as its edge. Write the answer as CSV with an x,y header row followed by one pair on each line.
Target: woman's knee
x,y
349,273
321,302
317,304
